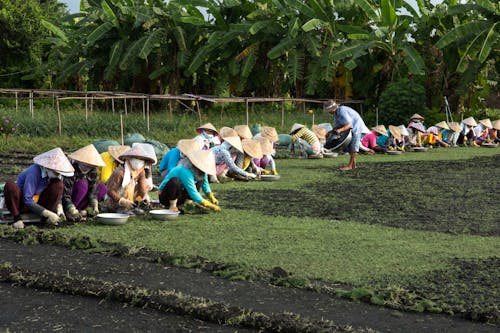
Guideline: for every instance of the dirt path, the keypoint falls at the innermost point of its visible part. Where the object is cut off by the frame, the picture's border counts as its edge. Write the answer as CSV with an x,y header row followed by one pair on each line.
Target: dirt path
x,y
141,273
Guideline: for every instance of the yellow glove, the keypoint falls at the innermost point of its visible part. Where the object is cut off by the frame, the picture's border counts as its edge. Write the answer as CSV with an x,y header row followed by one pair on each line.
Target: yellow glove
x,y
212,198
208,204
274,172
265,172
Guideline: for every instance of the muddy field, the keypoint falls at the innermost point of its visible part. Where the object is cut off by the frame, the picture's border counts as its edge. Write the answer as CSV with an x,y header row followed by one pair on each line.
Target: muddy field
x,y
51,288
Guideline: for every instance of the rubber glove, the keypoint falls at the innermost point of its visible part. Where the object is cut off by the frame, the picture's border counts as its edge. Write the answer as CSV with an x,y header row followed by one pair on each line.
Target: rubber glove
x,y
52,217
73,214
125,203
250,175
208,204
212,198
274,172
265,172
60,212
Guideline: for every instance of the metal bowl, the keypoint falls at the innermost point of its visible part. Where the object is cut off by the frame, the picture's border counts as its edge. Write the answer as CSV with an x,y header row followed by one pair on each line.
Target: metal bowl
x,y
112,218
420,149
164,214
394,152
269,177
329,155
489,145
337,142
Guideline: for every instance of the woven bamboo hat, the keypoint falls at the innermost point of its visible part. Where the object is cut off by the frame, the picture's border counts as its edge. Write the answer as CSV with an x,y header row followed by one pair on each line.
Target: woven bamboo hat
x,y
137,151
149,149
496,124
470,121
395,131
186,145
203,160
208,126
270,133
455,127
88,155
243,131
320,131
116,151
443,124
55,160
404,130
486,122
265,145
417,116
252,147
232,137
380,129
295,128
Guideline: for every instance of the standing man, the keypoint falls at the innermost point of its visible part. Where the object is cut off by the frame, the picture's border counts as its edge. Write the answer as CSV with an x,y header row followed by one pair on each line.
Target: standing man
x,y
344,119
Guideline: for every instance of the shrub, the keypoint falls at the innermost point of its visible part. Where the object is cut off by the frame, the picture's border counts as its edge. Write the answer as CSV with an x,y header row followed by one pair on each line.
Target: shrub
x,y
399,101
7,127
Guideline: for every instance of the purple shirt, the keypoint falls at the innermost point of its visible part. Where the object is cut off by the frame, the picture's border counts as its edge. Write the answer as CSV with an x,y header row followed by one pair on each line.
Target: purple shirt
x,y
31,182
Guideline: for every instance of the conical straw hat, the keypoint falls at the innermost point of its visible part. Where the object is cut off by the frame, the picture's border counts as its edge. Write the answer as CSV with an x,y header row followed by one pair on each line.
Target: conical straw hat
x,y
139,152
149,149
496,124
270,133
395,131
380,129
88,155
296,127
208,126
265,145
186,145
470,121
320,131
404,130
232,137
116,151
455,127
417,116
252,148
417,126
227,131
243,131
203,160
486,122
55,160
443,124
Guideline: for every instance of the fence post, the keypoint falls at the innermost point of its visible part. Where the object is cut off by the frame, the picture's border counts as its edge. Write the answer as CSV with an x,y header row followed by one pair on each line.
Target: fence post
x,y
17,102
125,105
59,121
147,112
32,108
248,116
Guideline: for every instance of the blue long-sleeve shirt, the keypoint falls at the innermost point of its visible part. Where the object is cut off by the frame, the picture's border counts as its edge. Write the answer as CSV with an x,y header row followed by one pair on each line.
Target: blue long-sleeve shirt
x,y
170,160
31,182
188,181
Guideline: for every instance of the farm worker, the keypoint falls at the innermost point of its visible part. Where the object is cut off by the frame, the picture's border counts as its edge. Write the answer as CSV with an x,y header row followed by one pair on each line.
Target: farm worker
x,y
396,139
271,135
435,134
174,155
494,135
267,156
150,161
320,132
226,153
417,129
370,140
345,119
39,188
482,131
128,182
111,160
467,134
251,150
306,139
185,180
450,136
207,136
80,190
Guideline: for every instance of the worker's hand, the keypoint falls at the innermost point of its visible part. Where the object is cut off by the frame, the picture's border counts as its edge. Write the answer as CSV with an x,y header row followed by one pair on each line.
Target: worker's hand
x,y
212,198
93,208
250,175
208,204
126,203
60,212
274,172
265,172
52,217
73,214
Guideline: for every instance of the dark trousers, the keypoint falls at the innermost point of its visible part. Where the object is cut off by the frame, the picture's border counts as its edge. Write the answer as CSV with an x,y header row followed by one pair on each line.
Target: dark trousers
x,y
48,199
174,190
470,137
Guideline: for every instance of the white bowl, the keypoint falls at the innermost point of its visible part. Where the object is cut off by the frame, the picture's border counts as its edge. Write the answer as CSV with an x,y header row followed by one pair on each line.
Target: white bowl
x,y
112,218
420,149
332,154
394,152
164,214
270,177
489,145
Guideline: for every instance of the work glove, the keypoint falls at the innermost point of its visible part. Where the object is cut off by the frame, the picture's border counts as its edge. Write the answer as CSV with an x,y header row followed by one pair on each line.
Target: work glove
x,y
274,172
250,175
212,198
126,203
93,208
73,214
60,212
52,217
265,172
207,204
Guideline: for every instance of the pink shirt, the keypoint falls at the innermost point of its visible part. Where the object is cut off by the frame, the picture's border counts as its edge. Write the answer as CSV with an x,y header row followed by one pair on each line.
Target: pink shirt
x,y
369,140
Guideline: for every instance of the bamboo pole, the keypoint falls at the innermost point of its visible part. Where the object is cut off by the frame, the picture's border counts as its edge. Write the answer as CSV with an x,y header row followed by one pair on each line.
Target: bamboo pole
x,y
113,104
282,114
17,102
247,115
199,111
121,127
144,109
125,105
59,121
147,112
86,106
32,108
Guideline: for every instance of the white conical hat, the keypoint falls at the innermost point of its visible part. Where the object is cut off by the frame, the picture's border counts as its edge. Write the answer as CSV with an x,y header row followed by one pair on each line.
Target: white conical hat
x,y
395,131
496,124
470,121
455,127
186,145
417,116
243,131
208,126
55,160
486,122
203,160
443,124
149,149
116,151
252,147
88,155
296,127
265,145
139,152
380,129
232,137
270,133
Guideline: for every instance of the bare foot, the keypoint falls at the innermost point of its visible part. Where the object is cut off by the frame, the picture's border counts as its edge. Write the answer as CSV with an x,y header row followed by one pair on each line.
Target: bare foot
x,y
347,168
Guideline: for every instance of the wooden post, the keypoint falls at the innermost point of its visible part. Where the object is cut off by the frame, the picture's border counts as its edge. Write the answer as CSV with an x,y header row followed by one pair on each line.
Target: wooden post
x,y
121,127
113,104
125,105
143,109
248,116
86,106
282,114
199,111
32,108
59,121
17,102
147,112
